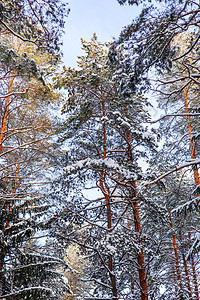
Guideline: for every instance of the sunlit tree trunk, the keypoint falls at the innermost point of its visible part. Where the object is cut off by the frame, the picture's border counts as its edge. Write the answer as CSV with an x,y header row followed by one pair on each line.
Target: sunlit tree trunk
x,y
6,110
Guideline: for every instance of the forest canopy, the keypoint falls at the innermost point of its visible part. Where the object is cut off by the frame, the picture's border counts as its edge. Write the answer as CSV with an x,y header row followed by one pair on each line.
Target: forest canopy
x,y
98,200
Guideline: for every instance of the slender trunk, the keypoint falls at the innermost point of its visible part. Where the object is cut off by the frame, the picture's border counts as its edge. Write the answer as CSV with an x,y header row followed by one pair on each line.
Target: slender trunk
x,y
2,130
192,143
194,275
195,280
5,115
132,282
136,214
13,191
175,253
105,191
197,183
140,258
186,271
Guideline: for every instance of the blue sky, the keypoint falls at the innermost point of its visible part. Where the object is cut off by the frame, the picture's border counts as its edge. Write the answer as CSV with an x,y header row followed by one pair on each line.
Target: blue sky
x,y
104,17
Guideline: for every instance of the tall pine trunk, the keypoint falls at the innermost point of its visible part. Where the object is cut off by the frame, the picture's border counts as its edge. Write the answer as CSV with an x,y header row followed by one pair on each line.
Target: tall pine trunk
x,y
2,133
178,273
136,215
197,181
106,193
5,114
186,271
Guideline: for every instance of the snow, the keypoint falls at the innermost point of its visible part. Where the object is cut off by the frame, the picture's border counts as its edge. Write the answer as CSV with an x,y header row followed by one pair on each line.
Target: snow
x,y
101,163
111,249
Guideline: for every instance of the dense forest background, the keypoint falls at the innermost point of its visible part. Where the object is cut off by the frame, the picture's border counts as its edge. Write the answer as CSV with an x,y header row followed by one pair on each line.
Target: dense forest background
x,y
97,200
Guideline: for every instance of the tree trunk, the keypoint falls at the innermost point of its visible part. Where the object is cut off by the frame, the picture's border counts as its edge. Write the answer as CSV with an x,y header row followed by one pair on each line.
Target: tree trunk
x,y
140,258
132,282
175,253
136,214
197,181
186,271
192,143
194,275
5,114
2,132
105,191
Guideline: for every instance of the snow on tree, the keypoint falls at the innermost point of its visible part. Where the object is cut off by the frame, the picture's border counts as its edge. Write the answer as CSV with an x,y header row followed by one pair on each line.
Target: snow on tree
x,y
105,136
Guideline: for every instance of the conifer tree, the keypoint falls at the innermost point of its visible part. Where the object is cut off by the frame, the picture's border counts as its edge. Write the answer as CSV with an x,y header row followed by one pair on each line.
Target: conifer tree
x,y
105,138
161,40
38,22
29,48
26,271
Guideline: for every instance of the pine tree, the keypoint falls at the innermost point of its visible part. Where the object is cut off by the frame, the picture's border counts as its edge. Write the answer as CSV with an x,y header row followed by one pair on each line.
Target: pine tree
x,y
40,23
105,138
161,41
25,270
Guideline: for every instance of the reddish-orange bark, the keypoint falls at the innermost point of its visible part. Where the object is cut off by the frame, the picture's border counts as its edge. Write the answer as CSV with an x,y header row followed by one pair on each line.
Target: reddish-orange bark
x,y
192,143
136,214
186,271
5,115
140,258
2,131
105,191
197,182
132,283
175,253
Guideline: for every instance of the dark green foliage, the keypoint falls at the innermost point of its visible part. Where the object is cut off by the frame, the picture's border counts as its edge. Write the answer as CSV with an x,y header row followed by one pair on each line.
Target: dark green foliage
x,y
42,22
22,65
28,269
148,43
101,102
